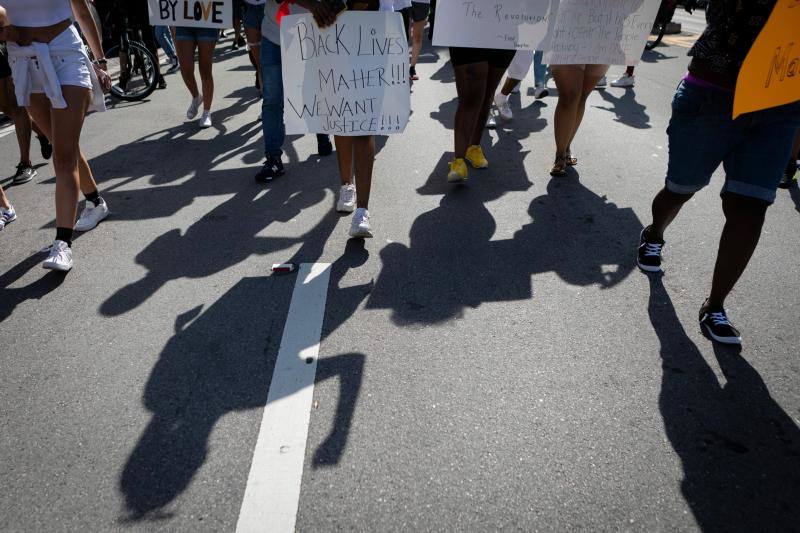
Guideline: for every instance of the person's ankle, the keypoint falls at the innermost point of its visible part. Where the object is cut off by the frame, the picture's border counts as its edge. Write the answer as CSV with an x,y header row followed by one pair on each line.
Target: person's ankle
x,y
710,304
651,235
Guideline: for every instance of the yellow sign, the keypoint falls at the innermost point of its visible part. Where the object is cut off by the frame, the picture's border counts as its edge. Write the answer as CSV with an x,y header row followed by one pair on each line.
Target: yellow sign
x,y
770,75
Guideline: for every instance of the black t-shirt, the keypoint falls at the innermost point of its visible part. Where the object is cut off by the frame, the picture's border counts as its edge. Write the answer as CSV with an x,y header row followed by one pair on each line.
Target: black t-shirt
x,y
732,28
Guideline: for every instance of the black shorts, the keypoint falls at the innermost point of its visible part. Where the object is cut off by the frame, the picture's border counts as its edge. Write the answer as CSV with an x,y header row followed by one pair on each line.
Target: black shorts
x,y
5,68
496,58
419,11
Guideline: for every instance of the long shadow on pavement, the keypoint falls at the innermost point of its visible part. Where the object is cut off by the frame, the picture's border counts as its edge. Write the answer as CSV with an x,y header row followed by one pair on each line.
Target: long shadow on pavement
x,y
739,449
219,361
10,298
453,264
626,109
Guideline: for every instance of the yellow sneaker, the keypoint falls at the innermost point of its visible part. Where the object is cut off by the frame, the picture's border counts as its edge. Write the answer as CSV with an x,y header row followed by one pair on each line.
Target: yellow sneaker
x,y
458,171
476,158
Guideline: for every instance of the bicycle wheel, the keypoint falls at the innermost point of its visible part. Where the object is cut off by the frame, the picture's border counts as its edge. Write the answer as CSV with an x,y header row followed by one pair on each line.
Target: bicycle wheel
x,y
133,72
656,35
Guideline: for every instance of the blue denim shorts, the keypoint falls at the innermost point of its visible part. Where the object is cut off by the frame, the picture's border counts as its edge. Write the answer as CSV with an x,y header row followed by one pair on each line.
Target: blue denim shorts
x,y
253,15
185,33
753,149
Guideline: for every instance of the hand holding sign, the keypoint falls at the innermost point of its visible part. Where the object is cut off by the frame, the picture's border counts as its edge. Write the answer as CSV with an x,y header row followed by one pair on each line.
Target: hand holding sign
x,y
348,79
770,75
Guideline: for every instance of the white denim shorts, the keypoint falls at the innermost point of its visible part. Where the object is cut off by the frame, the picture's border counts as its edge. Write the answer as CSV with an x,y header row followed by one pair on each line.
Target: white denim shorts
x,y
71,65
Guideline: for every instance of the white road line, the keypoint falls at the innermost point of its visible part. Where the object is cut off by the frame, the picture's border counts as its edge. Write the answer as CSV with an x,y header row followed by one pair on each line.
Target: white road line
x,y
273,486
6,131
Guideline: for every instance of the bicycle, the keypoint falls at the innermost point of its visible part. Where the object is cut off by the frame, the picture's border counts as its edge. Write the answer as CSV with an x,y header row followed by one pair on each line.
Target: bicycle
x,y
132,67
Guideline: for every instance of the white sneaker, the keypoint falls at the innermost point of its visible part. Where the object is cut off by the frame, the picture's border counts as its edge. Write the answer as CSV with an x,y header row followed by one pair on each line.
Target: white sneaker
x,y
540,91
91,215
194,107
491,122
360,227
205,119
7,216
501,101
623,81
347,199
601,83
60,257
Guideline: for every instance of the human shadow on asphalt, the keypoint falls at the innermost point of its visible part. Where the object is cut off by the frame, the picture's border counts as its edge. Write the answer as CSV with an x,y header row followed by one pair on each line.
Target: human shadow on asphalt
x,y
10,298
445,73
453,263
233,229
220,361
626,109
739,449
654,56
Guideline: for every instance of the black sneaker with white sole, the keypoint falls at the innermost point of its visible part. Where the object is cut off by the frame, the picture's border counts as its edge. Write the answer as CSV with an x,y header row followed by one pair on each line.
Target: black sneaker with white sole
x,y
273,167
650,251
715,323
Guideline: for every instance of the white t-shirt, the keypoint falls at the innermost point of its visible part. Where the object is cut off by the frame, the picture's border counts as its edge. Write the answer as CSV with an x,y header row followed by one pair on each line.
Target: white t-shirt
x,y
37,13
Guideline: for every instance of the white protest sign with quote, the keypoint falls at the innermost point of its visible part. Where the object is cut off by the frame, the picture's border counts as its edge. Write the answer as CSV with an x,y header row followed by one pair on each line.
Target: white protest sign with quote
x,y
499,24
350,78
191,13
604,32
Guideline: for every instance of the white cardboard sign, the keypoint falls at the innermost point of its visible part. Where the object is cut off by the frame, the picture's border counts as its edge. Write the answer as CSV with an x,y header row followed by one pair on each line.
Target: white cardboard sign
x,y
348,79
605,32
499,24
191,13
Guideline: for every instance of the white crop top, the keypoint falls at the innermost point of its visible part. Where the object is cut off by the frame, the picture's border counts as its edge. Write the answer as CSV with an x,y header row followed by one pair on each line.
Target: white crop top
x,y
37,13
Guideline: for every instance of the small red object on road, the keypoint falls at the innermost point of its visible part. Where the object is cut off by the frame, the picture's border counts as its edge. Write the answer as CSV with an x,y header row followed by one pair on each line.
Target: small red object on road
x,y
283,268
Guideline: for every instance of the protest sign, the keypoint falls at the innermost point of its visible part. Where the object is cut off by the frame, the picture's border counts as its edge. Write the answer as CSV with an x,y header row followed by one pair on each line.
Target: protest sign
x,y
191,13
350,78
503,24
770,74
604,32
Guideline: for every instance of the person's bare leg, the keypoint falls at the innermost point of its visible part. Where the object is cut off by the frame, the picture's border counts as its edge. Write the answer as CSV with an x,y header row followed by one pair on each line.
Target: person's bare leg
x,y
185,51
22,127
66,125
254,43
492,81
364,156
744,218
344,156
42,125
470,86
589,84
4,202
417,28
569,82
666,206
18,115
206,53
509,85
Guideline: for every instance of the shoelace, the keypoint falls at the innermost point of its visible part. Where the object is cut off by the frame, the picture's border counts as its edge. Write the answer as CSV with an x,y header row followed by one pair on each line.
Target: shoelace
x,y
719,318
652,249
349,195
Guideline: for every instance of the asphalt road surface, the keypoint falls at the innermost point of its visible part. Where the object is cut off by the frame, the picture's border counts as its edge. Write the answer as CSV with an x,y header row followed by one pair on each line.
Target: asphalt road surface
x,y
491,360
